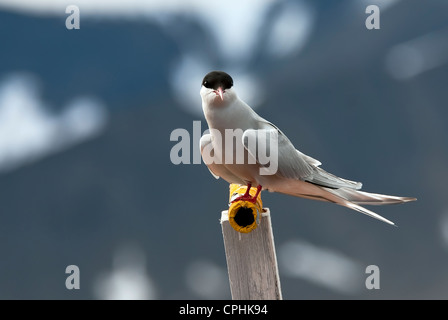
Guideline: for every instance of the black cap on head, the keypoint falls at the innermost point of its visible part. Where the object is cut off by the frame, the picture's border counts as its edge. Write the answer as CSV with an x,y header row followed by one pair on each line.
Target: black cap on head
x,y
215,79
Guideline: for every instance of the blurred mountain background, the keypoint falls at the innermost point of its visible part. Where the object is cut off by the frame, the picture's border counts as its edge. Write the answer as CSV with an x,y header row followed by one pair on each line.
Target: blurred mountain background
x,y
85,123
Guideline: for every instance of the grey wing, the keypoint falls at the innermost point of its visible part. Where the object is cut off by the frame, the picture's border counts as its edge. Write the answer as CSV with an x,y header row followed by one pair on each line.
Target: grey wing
x,y
282,155
326,179
294,164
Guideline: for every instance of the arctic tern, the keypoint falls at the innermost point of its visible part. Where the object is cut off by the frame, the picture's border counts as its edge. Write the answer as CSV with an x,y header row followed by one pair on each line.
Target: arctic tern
x,y
297,174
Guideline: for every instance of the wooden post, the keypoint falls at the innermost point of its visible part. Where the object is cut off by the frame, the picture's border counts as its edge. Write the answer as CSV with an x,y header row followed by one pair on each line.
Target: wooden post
x,y
251,261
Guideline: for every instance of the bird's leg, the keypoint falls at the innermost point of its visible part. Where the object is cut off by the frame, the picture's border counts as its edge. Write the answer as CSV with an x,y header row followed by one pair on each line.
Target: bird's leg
x,y
247,197
254,199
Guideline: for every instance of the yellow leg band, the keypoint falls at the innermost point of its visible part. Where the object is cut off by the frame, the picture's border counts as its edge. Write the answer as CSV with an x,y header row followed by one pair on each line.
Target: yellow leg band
x,y
244,215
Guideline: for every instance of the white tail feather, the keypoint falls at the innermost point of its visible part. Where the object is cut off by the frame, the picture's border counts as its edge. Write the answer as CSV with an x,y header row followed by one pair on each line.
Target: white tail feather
x,y
367,198
372,214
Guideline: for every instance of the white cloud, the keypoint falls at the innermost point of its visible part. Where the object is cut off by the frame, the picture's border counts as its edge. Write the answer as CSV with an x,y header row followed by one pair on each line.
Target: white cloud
x,y
186,92
29,131
291,29
207,280
409,59
233,23
128,279
322,266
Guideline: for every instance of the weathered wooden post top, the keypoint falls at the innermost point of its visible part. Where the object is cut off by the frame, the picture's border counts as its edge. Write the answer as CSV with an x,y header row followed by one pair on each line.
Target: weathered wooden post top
x,y
250,250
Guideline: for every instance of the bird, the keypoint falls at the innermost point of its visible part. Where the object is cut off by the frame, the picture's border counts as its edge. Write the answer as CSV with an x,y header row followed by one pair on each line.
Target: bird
x,y
235,159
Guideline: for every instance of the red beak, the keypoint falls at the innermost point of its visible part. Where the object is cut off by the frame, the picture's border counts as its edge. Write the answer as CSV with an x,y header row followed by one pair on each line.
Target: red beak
x,y
219,92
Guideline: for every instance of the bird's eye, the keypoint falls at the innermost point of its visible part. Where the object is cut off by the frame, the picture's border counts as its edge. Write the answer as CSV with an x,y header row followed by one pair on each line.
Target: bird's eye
x,y
205,83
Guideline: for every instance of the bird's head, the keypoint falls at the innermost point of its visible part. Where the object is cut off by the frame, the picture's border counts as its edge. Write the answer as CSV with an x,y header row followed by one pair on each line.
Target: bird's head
x,y
217,89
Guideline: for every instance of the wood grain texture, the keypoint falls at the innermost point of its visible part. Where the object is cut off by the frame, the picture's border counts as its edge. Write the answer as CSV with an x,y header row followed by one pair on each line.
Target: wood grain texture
x,y
252,261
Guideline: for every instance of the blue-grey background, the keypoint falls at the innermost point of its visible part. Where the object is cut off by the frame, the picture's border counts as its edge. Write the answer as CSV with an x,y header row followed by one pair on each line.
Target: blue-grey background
x,y
85,123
